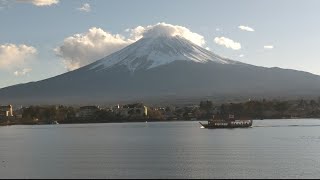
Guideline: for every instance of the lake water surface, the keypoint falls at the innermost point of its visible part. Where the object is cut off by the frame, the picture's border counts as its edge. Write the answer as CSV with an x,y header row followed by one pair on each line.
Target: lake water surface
x,y
271,149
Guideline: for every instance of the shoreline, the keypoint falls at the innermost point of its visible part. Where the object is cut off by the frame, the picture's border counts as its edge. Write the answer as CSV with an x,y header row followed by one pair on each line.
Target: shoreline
x,y
119,122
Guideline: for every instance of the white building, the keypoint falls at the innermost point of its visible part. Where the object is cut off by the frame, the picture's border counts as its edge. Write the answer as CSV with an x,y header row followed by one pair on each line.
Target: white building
x,y
6,111
137,109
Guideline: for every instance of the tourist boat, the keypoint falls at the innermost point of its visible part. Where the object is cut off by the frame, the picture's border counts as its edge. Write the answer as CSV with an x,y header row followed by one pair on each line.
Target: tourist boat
x,y
229,123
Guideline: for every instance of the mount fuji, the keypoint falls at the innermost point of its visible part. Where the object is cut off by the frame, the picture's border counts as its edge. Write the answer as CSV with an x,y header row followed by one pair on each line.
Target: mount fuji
x,y
150,53
167,68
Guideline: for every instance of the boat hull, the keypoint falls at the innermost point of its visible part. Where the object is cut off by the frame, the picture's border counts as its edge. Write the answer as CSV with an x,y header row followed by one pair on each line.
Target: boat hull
x,y
227,125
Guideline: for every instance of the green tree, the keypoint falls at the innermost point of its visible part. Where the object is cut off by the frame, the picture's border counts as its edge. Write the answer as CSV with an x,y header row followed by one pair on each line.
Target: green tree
x,y
281,107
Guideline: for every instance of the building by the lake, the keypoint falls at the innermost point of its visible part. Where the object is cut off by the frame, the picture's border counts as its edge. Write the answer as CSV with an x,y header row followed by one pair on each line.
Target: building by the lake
x,y
136,109
6,112
86,112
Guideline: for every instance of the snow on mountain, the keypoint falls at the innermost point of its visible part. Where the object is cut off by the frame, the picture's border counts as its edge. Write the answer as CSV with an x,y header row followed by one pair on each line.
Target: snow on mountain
x,y
152,52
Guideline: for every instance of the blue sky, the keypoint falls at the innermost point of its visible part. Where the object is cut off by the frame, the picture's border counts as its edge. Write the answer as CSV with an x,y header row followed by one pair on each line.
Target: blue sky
x,y
30,33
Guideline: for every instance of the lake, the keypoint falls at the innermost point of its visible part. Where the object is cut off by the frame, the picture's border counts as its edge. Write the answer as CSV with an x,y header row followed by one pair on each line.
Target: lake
x,y
271,149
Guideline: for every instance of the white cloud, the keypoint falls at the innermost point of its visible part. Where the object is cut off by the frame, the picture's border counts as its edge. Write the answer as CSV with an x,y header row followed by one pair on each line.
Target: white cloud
x,y
22,72
241,55
229,43
12,55
164,29
268,47
82,49
85,7
40,2
136,33
245,28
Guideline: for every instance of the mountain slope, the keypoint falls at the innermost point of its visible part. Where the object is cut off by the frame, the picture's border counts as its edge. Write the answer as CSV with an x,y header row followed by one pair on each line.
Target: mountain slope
x,y
167,68
149,53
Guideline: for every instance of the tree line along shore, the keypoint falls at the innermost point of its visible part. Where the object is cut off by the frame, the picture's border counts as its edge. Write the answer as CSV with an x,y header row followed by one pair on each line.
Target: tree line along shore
x,y
139,112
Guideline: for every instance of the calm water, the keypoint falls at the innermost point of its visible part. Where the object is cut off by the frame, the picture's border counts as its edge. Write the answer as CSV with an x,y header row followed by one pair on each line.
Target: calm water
x,y
271,149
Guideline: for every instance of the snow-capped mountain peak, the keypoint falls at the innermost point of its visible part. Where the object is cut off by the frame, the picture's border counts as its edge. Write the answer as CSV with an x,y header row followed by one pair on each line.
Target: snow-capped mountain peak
x,y
149,53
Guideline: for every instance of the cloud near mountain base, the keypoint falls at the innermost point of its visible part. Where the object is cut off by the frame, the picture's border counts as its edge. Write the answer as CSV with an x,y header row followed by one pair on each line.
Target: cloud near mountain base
x,y
13,56
82,49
